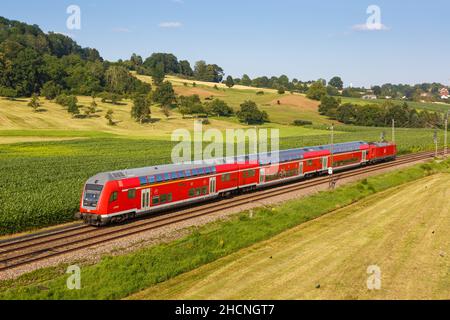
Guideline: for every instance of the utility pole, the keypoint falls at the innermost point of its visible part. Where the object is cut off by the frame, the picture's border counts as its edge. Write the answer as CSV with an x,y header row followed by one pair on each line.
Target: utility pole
x,y
445,134
331,169
393,130
332,145
436,142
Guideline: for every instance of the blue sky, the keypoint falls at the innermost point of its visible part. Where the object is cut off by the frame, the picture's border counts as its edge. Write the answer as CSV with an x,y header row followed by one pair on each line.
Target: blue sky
x,y
303,39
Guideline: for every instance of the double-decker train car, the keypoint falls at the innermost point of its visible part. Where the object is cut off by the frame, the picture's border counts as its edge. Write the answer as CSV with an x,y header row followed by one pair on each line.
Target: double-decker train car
x,y
121,195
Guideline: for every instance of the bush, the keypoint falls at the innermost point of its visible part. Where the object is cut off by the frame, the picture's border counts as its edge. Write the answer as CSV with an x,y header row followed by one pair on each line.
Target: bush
x,y
219,108
108,97
260,93
302,122
191,105
34,103
9,93
316,91
66,100
51,90
250,113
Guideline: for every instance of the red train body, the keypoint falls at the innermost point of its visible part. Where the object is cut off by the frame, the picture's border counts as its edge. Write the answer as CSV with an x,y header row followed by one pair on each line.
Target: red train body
x,y
120,195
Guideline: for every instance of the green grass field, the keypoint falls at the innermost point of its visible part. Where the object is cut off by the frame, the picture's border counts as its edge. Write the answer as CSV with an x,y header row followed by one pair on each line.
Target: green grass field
x,y
409,222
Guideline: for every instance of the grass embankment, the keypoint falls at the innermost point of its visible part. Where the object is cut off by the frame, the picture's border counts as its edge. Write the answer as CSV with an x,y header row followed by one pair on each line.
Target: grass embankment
x,y
118,277
404,231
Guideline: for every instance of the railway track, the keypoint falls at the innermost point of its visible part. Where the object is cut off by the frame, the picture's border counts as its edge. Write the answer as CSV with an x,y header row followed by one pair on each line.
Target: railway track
x,y
44,245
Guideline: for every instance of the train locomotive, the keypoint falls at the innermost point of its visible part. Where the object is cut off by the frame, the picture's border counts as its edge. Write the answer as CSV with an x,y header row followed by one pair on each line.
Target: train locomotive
x,y
117,196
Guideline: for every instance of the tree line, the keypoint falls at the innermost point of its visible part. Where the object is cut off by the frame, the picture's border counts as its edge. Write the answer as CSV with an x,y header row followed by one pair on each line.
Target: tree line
x,y
379,115
50,64
33,62
158,65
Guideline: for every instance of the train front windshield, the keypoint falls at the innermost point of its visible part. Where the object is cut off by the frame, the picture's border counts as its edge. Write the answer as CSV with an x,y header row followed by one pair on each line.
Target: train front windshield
x,y
92,194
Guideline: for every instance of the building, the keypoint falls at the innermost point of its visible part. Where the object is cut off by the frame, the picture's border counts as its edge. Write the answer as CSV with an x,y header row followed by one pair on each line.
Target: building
x,y
369,97
444,93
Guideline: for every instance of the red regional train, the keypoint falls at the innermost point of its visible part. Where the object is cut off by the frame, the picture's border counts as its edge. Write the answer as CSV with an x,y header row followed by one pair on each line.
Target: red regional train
x,y
121,195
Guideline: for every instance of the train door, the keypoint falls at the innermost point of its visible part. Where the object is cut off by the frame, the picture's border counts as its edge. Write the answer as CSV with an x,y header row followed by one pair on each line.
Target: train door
x,y
262,174
300,168
212,186
145,199
364,156
325,163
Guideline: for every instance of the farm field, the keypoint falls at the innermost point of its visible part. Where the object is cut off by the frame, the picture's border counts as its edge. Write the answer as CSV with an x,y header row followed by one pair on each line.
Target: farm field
x,y
430,106
402,231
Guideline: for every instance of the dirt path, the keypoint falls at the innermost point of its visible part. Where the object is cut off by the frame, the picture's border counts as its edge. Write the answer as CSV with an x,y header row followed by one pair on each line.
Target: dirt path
x,y
404,232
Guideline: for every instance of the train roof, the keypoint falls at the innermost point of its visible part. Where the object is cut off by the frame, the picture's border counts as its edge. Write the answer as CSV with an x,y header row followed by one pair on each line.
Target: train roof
x,y
381,144
298,154
204,166
162,173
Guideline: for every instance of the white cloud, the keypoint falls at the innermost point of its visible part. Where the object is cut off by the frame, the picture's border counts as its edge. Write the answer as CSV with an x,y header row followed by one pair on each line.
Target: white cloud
x,y
170,24
370,27
121,30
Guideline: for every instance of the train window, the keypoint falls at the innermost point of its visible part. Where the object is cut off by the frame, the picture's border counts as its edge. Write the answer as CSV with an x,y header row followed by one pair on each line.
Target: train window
x,y
208,170
155,200
114,196
159,178
251,173
214,170
181,174
205,190
163,198
201,171
188,173
151,179
198,192
194,172
309,162
226,177
131,193
166,176
191,192
169,197
143,181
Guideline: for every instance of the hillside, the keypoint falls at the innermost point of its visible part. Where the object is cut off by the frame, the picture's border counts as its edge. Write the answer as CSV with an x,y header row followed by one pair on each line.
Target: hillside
x,y
18,120
291,107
